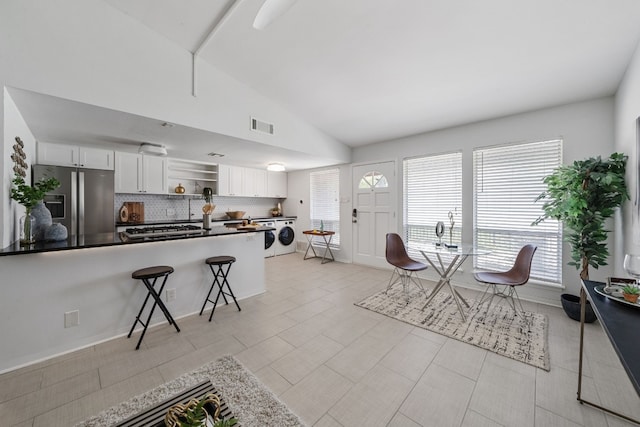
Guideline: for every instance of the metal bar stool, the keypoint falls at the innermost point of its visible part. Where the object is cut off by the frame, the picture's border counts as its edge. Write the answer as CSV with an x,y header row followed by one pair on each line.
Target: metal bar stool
x,y
145,275
220,273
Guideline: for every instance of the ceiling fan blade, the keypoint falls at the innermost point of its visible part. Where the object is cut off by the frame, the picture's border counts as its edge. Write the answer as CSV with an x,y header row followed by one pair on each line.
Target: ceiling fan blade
x,y
270,11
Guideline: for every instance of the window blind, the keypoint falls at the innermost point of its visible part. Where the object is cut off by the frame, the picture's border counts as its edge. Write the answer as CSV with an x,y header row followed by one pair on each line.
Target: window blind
x,y
325,202
507,181
432,189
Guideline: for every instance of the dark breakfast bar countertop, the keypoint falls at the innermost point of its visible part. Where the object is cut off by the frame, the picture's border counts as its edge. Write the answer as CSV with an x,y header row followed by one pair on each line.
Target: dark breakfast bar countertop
x,y
92,276
115,239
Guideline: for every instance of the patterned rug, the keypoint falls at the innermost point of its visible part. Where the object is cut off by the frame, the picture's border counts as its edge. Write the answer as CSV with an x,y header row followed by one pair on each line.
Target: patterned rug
x,y
522,338
250,402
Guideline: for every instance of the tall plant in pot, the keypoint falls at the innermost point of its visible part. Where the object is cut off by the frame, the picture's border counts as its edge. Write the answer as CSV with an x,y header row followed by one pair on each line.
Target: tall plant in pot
x,y
583,195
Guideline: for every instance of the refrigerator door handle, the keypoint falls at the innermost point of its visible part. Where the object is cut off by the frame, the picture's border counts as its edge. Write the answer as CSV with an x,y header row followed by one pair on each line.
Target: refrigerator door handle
x,y
74,203
81,203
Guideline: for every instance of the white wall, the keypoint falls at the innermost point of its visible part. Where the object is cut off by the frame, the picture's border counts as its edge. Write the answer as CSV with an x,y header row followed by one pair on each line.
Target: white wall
x,y
627,109
298,204
88,51
40,288
586,128
14,125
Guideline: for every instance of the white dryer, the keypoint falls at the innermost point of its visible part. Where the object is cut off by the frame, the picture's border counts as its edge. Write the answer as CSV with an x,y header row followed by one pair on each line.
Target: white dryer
x,y
285,236
269,237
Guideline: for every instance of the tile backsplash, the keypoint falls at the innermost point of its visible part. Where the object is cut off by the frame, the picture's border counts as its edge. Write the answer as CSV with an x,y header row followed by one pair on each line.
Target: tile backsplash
x,y
158,207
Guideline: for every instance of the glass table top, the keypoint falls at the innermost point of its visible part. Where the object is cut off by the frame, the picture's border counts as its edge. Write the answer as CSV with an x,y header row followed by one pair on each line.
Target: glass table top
x,y
430,248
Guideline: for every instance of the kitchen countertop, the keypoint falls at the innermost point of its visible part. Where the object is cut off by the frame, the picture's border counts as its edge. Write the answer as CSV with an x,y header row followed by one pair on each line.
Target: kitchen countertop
x,y
115,239
199,220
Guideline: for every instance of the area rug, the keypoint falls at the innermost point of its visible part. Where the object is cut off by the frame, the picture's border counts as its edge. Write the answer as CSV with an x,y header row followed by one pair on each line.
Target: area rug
x,y
250,402
522,338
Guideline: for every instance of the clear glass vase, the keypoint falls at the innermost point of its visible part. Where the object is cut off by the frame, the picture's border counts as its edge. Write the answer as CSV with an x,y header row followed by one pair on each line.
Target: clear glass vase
x,y
27,225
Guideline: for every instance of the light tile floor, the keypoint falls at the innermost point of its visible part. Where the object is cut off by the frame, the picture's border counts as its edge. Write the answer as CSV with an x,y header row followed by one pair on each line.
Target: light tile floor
x,y
335,364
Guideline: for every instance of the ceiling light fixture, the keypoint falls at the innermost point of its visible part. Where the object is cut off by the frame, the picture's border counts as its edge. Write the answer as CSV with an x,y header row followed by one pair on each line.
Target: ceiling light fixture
x,y
212,154
167,125
275,167
152,149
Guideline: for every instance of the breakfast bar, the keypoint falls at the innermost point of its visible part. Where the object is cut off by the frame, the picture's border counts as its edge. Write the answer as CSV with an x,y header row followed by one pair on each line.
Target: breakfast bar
x,y
88,279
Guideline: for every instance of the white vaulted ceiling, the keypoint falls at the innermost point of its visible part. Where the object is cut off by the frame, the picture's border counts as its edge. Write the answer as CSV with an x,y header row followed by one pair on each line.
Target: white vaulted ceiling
x,y
364,71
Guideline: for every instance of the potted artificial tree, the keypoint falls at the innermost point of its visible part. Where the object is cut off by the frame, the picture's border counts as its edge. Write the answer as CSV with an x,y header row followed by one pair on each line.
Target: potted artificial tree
x,y
583,195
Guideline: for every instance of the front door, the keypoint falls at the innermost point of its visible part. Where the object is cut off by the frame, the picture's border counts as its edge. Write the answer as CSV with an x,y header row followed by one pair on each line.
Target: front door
x,y
374,215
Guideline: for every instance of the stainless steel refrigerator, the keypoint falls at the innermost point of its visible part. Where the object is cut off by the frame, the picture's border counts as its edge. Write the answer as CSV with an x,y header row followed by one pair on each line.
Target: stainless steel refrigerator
x,y
84,202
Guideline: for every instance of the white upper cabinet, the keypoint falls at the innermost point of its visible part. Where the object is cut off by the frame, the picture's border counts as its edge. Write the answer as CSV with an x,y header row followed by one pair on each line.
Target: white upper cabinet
x,y
137,173
74,156
128,175
154,174
255,182
230,180
277,184
243,182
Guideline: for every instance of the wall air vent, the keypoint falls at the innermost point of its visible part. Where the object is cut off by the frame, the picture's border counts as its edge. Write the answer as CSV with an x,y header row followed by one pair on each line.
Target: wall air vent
x,y
260,126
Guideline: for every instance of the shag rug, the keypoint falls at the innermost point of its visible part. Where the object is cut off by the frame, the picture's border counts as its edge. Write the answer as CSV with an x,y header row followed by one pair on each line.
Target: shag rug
x,y
522,338
250,402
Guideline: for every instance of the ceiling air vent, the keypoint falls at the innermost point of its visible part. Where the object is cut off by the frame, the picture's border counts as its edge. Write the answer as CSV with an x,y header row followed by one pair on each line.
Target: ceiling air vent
x,y
260,126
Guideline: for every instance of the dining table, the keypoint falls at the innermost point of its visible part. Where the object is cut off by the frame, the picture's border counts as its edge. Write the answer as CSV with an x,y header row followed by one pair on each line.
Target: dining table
x,y
449,259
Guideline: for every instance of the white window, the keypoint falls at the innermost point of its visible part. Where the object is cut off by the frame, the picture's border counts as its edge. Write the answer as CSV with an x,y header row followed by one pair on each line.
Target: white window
x,y
325,202
373,179
507,181
432,187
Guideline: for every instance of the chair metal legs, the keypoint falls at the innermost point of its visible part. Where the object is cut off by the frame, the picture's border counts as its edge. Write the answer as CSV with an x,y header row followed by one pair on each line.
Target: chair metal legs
x,y
508,292
157,301
406,278
220,279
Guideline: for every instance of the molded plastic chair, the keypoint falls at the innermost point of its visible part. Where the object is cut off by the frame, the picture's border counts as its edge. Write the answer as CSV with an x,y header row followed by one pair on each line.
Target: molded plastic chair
x,y
405,267
518,275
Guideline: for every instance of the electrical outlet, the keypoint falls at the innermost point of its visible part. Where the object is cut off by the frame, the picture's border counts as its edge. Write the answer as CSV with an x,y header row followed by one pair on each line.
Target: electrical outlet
x,y
171,294
171,212
71,318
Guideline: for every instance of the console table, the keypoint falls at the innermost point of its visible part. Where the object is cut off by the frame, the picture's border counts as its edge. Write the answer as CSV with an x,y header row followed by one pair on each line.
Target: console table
x,y
326,237
619,321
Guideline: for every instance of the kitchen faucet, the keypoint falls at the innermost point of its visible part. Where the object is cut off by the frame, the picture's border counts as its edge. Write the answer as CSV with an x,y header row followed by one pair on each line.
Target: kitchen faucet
x,y
189,203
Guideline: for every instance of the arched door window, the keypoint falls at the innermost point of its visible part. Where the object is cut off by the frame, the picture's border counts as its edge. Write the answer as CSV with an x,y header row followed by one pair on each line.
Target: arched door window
x,y
373,179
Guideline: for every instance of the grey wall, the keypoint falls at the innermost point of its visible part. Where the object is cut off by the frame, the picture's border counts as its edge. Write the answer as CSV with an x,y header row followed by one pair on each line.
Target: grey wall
x,y
587,129
627,139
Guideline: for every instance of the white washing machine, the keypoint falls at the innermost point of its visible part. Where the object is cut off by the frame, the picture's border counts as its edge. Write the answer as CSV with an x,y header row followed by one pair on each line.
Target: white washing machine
x,y
285,236
269,237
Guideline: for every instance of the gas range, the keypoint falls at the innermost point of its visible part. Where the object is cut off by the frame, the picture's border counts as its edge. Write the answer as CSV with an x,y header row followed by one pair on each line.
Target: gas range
x,y
162,231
